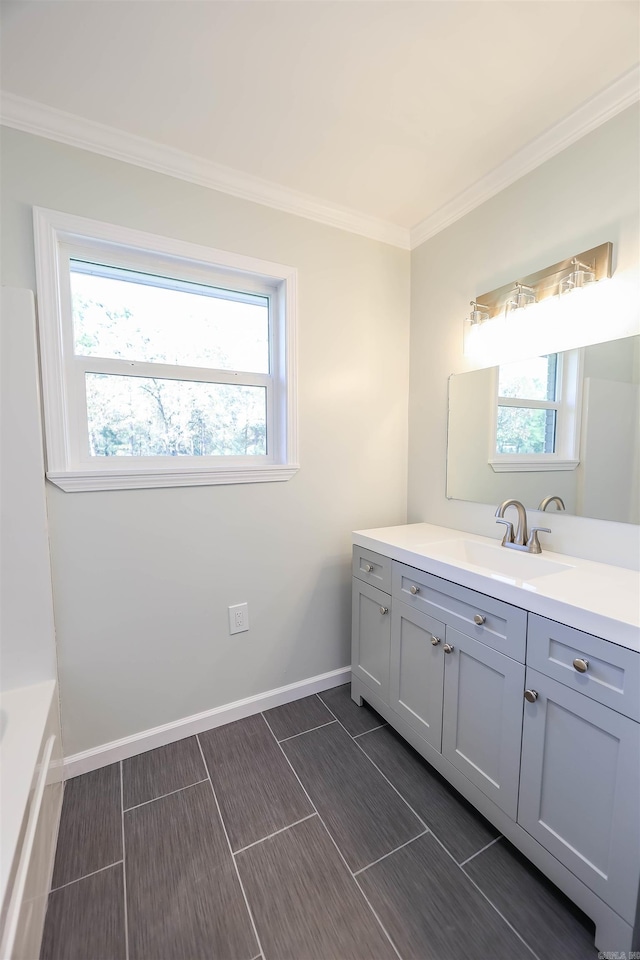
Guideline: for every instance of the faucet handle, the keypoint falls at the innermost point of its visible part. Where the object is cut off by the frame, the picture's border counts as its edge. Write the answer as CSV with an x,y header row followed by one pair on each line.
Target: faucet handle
x,y
533,544
508,533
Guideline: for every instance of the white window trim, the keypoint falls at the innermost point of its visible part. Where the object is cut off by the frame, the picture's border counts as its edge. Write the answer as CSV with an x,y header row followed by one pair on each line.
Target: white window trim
x,y
568,408
54,232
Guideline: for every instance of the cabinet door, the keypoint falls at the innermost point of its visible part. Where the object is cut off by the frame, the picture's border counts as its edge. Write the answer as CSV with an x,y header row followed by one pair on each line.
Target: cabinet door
x,y
371,637
417,671
482,721
579,794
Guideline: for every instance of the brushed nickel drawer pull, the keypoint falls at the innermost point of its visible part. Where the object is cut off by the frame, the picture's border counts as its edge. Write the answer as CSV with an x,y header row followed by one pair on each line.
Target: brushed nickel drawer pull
x,y
531,696
435,641
413,589
384,610
368,567
479,619
448,648
581,665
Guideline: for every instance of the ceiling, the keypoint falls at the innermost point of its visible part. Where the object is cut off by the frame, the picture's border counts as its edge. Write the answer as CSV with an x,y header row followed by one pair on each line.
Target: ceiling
x,y
384,108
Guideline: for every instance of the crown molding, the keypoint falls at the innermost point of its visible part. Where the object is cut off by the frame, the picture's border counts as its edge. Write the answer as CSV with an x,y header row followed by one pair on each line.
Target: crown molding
x,y
44,121
623,93
41,120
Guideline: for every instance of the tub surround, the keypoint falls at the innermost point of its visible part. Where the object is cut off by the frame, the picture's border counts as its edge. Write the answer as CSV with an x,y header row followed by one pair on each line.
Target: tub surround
x,y
595,597
31,797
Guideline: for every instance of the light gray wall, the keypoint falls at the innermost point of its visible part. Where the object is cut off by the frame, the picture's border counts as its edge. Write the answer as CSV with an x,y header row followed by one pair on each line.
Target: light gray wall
x,y
27,639
142,579
584,196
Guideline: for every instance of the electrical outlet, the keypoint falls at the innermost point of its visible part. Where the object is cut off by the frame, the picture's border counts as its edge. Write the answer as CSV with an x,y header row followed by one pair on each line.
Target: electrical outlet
x,y
238,618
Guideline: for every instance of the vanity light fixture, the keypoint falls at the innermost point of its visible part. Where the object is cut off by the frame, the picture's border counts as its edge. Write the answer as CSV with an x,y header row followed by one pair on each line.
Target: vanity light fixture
x,y
580,276
521,296
479,313
491,334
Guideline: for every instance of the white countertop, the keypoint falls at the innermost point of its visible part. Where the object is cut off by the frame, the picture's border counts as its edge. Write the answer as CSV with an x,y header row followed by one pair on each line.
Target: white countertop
x,y
595,597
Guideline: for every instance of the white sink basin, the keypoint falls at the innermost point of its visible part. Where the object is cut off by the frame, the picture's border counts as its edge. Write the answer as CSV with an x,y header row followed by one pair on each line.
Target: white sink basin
x,y
496,561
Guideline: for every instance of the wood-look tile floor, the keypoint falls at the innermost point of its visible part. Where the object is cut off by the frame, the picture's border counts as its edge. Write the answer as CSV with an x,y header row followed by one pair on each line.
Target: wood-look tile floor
x,y
309,832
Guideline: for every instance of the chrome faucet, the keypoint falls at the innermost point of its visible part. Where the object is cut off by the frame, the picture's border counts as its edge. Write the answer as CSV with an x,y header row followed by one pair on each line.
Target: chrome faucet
x,y
519,539
559,502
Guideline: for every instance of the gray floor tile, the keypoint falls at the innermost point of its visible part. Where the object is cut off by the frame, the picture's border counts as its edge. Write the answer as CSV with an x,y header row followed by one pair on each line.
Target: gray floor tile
x,y
156,772
257,792
456,824
354,718
305,902
184,900
85,920
297,717
431,910
90,835
547,920
364,815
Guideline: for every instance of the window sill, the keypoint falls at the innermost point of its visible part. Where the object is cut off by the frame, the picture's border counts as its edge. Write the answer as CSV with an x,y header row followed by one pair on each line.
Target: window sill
x,y
76,481
531,466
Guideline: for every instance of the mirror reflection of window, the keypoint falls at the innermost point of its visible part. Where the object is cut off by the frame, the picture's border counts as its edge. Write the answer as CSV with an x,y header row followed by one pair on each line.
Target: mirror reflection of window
x,y
536,407
595,463
528,392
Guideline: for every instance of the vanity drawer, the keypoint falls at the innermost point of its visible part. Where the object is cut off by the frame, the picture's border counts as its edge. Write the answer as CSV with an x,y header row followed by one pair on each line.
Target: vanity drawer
x,y
501,626
612,674
372,568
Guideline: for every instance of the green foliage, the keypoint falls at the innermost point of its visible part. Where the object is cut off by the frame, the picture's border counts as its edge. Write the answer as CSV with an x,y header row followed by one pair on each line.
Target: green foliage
x,y
143,416
524,430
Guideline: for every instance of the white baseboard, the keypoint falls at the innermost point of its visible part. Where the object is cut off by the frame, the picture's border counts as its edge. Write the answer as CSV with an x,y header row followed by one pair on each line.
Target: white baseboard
x,y
116,750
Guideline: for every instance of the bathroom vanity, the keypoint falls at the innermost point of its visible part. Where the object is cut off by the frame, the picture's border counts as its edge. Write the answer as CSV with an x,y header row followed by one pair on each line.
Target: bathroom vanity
x,y
518,678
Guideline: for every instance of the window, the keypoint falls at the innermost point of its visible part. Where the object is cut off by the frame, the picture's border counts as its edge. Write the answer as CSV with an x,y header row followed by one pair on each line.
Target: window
x,y
163,363
536,414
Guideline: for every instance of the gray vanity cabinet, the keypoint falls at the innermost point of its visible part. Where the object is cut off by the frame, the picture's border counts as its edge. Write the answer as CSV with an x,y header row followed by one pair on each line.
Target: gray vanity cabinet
x,y
580,772
371,621
579,788
483,717
535,722
417,671
451,682
462,697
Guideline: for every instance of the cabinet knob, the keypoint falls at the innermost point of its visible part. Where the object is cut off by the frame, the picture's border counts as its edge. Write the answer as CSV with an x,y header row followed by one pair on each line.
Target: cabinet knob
x,y
581,665
479,619
384,610
448,648
413,589
531,696
368,567
435,641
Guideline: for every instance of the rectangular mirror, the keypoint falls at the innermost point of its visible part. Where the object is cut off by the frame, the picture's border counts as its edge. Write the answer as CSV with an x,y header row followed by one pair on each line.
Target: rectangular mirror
x,y
566,425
